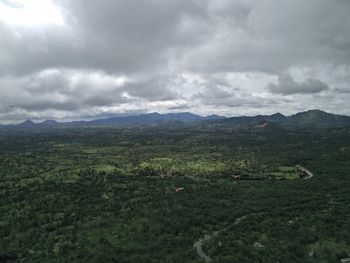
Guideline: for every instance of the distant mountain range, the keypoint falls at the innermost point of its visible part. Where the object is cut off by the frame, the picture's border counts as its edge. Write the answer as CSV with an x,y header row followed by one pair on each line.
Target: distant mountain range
x,y
141,119
312,118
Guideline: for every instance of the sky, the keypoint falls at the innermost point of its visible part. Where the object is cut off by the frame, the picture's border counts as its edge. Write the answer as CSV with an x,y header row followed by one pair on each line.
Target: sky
x,y
84,59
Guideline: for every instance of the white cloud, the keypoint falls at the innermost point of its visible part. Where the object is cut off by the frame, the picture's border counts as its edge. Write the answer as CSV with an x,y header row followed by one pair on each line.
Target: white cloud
x,y
30,13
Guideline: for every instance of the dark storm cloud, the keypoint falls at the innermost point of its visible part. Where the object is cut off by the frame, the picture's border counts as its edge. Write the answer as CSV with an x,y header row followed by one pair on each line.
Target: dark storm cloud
x,y
61,90
73,68
287,86
115,36
128,36
299,33
138,36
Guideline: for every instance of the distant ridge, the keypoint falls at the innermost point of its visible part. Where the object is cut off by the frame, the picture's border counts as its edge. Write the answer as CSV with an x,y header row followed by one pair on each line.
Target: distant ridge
x,y
152,118
49,123
246,120
311,118
141,119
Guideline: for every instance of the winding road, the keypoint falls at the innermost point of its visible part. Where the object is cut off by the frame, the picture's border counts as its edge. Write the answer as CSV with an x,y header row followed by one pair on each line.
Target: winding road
x,y
198,245
308,173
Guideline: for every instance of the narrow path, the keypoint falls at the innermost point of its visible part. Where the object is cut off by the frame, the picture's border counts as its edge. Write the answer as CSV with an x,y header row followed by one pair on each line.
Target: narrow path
x,y
198,245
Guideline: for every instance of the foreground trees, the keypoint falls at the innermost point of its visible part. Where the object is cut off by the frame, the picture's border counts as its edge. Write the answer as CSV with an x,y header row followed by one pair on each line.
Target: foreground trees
x,y
108,195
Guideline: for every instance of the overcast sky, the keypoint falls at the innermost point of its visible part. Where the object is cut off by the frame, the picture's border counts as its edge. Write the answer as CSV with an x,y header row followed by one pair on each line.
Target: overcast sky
x,y
79,59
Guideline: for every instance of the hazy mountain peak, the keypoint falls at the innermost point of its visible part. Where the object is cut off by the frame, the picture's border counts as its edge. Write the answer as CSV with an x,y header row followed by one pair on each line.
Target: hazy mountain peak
x,y
27,122
318,118
278,115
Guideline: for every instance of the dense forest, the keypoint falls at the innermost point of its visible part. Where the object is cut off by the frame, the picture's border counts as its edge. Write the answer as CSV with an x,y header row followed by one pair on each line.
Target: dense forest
x,y
148,193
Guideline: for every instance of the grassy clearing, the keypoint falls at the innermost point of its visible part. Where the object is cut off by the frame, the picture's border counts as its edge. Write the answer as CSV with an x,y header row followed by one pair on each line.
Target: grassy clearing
x,y
286,172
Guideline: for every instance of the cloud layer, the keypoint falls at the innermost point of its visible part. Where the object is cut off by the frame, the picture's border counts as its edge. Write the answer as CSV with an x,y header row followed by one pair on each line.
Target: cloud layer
x,y
78,59
287,86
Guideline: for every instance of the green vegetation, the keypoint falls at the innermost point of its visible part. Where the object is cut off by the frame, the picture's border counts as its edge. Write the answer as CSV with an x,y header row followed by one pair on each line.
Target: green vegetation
x,y
109,194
